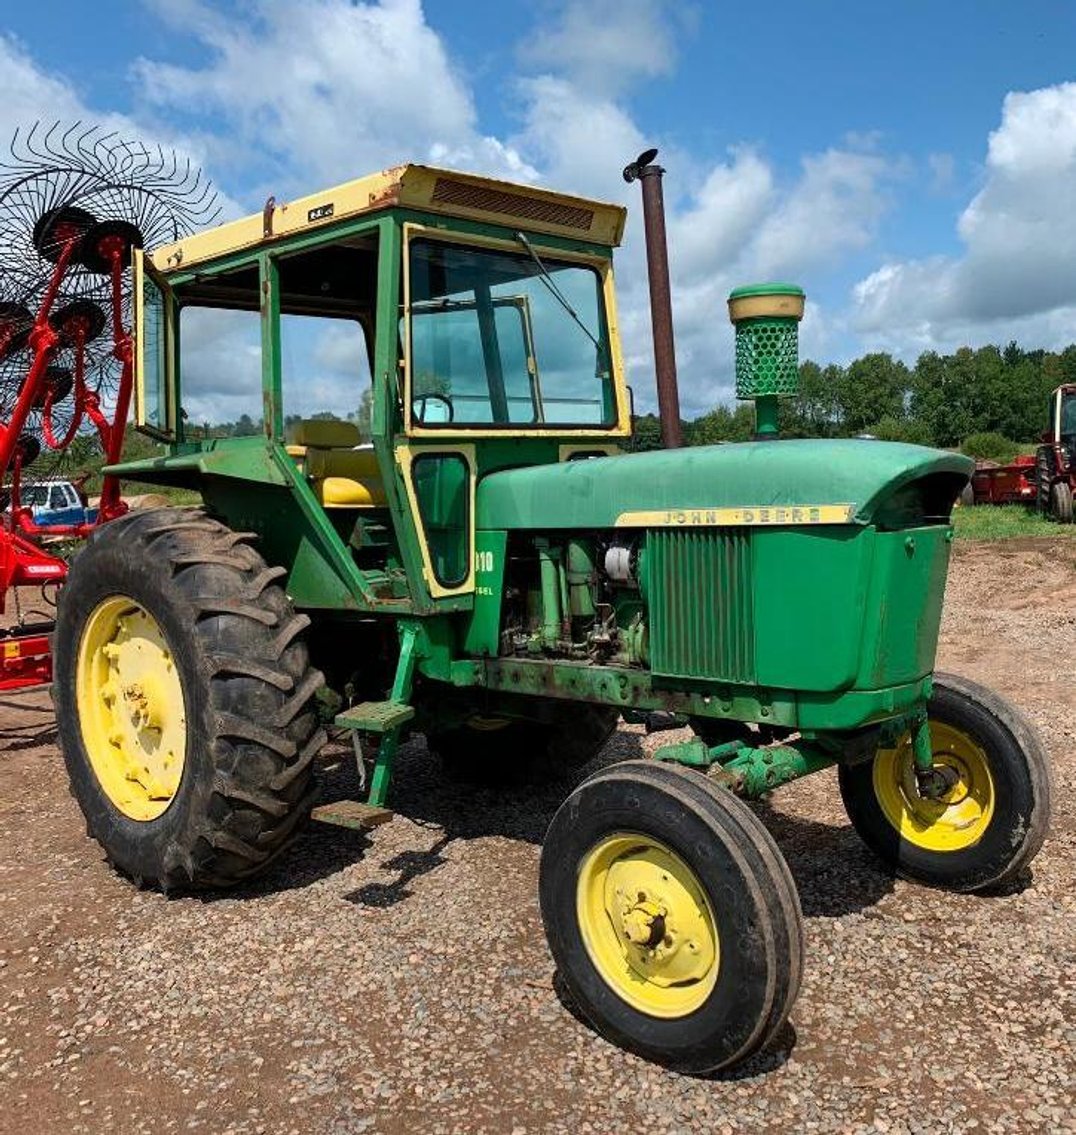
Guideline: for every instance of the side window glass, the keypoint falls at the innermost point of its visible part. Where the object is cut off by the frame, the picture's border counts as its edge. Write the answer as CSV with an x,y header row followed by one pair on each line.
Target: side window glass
x,y
325,370
442,489
57,498
222,371
154,360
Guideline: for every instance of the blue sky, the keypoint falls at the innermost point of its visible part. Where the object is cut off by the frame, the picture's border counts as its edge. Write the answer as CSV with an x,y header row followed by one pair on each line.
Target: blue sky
x,y
909,164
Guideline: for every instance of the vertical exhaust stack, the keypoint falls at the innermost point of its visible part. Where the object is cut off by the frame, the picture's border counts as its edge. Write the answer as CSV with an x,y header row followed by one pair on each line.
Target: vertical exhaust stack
x,y
657,261
766,318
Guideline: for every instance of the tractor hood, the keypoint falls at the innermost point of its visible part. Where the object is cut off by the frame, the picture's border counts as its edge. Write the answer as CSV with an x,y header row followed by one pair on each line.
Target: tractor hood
x,y
773,482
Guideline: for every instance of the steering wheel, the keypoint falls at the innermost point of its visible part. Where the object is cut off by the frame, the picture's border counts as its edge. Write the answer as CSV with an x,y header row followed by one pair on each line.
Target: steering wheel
x,y
419,406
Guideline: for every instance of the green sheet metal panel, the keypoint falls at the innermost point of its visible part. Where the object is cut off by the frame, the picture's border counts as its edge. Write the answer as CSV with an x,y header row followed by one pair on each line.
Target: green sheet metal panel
x,y
904,606
811,598
787,473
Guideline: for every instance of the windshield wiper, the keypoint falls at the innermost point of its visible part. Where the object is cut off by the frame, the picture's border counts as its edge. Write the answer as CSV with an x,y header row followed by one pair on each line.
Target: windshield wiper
x,y
557,294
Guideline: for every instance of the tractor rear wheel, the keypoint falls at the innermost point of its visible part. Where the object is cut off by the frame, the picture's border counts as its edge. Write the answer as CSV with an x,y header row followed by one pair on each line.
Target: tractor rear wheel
x,y
671,915
993,818
183,697
1061,502
492,750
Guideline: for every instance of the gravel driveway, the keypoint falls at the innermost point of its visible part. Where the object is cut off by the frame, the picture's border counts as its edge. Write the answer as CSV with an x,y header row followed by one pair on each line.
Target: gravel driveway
x,y
400,982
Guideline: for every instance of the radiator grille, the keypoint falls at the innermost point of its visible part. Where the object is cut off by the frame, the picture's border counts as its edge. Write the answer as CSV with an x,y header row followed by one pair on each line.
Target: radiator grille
x,y
700,598
448,191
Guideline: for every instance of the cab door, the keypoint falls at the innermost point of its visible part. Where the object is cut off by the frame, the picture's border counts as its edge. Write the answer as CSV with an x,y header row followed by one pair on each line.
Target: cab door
x,y
440,481
155,371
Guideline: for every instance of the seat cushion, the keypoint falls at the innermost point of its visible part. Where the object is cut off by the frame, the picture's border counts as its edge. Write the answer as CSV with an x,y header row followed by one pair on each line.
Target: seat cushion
x,y
344,492
358,464
318,434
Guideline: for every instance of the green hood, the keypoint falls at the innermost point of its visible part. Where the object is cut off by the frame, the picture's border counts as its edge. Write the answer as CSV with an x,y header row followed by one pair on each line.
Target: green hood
x,y
594,493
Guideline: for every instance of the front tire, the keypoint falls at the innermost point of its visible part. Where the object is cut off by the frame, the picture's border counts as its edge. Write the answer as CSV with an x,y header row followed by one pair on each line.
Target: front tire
x,y
671,916
990,824
183,696
1061,502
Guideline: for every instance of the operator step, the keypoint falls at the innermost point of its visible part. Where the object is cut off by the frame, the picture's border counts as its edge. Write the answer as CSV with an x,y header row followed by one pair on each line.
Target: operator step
x,y
375,716
352,814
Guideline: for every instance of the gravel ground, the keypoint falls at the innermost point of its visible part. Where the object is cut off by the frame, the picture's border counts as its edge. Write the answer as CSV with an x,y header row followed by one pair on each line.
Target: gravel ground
x,y
400,982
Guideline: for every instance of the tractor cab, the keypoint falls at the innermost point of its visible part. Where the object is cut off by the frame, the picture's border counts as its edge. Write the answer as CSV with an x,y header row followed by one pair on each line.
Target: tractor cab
x,y
379,348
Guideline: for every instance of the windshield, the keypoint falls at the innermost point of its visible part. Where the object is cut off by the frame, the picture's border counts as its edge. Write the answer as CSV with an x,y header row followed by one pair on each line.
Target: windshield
x,y
1068,415
493,345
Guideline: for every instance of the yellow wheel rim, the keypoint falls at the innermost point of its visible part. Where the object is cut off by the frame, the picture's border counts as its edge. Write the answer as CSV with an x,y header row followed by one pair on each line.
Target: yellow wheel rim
x,y
952,822
647,925
131,709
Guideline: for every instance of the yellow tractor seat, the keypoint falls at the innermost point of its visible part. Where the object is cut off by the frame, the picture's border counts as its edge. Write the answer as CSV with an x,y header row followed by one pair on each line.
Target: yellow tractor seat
x,y
341,475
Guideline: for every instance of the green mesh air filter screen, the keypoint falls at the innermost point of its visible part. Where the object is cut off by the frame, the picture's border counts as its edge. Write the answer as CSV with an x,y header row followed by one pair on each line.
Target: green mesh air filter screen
x,y
767,357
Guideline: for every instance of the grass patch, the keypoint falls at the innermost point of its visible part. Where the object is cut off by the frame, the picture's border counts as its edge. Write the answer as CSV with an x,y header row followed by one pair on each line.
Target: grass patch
x,y
1005,522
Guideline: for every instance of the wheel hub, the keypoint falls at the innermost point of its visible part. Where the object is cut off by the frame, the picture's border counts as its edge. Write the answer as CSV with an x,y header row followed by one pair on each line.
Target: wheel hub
x,y
950,807
648,926
131,708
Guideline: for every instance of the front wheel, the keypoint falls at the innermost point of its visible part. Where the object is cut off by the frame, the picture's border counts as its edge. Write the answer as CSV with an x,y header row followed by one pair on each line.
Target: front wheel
x,y
993,818
1061,502
671,916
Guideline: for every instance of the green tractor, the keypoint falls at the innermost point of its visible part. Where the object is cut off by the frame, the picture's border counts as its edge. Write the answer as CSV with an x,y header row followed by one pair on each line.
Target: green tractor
x,y
494,570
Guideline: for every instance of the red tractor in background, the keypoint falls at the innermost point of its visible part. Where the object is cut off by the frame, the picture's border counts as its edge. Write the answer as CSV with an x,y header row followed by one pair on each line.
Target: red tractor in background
x,y
1045,479
1055,459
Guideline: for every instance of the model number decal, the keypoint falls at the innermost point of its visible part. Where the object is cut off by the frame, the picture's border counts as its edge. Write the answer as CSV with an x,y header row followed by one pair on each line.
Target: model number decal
x,y
738,517
483,561
320,212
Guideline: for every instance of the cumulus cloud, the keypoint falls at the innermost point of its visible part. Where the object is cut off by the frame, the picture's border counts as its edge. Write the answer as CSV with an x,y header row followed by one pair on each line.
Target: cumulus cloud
x,y
374,84
315,92
747,223
604,47
1017,274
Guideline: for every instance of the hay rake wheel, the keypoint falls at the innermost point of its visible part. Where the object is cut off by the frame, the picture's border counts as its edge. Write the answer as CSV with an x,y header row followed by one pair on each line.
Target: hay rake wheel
x,y
75,202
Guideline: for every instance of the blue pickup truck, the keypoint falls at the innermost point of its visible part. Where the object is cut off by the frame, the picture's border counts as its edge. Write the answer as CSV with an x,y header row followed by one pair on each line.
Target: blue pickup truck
x,y
56,502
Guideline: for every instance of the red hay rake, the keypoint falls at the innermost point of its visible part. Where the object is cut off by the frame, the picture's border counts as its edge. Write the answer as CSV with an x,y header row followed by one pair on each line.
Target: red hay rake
x,y
74,204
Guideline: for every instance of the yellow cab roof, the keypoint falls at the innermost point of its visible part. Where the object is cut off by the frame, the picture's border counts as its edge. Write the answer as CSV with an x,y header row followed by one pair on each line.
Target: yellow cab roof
x,y
424,188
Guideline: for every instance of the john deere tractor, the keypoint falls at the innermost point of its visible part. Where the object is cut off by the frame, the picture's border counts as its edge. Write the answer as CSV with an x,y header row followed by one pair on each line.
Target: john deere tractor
x,y
494,570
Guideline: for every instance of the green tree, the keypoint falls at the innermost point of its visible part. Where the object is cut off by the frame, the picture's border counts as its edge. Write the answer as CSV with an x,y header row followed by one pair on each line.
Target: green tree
x,y
363,415
646,433
722,424
814,410
873,387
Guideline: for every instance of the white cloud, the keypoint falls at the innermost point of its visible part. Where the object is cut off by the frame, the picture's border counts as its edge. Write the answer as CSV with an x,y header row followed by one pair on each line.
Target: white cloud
x,y
746,223
1017,275
322,90
579,141
606,46
28,93
374,84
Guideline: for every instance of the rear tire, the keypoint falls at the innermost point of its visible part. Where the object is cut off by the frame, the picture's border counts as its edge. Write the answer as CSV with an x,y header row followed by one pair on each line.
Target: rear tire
x,y
992,823
249,732
719,972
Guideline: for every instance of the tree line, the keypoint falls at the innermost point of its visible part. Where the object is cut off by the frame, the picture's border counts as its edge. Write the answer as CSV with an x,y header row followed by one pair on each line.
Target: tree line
x,y
942,400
